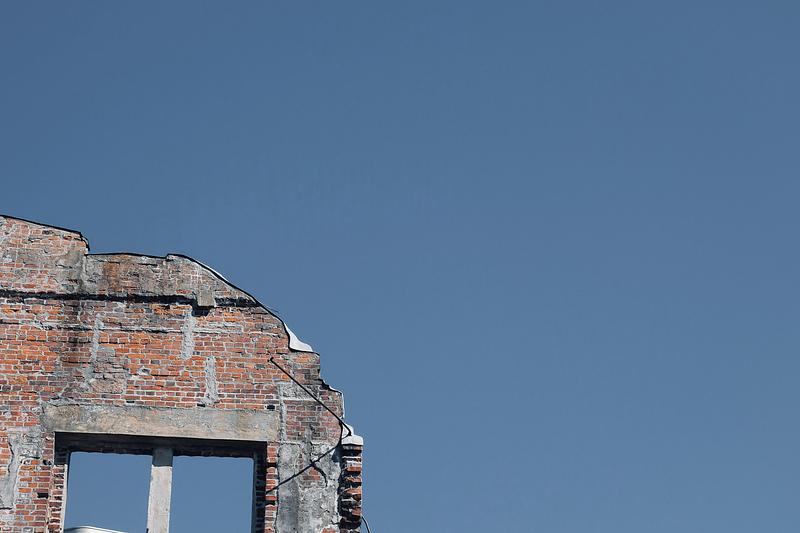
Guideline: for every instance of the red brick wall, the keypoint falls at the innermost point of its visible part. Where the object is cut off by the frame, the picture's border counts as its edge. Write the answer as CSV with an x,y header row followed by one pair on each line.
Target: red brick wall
x,y
126,330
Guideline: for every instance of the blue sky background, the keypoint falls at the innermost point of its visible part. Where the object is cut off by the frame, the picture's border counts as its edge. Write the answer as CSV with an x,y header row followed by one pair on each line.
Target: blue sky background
x,y
547,249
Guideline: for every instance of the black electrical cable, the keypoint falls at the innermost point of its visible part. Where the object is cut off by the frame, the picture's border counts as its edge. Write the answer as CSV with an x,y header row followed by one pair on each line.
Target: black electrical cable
x,y
364,519
344,426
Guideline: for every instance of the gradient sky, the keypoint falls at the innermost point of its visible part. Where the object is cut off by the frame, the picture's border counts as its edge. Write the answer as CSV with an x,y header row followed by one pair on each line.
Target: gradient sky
x,y
547,249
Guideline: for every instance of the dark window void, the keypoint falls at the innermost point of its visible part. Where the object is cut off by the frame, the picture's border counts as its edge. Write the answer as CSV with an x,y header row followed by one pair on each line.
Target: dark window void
x,y
211,495
108,490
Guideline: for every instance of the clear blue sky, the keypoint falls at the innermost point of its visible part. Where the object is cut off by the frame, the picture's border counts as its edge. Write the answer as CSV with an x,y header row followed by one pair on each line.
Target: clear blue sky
x,y
547,249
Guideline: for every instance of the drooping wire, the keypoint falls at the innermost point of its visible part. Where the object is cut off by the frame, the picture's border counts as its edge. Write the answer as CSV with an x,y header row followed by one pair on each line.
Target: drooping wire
x,y
344,426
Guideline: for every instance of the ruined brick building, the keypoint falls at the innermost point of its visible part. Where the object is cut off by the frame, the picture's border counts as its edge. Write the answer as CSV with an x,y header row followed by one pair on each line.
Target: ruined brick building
x,y
159,356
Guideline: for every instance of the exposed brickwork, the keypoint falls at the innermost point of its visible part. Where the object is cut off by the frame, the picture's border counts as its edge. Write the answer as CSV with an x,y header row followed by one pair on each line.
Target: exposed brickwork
x,y
350,487
126,330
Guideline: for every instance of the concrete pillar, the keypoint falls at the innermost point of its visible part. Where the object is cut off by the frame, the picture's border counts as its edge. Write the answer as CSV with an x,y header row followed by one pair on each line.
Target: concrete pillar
x,y
160,491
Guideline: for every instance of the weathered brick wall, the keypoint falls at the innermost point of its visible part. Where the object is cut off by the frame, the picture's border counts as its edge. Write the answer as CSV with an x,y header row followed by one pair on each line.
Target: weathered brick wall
x,y
126,330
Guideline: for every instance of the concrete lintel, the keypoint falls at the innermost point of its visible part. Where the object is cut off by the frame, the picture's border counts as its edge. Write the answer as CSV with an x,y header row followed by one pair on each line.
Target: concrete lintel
x,y
217,424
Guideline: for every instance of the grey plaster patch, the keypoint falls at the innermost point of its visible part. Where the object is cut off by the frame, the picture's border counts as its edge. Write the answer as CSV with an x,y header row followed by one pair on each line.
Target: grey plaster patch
x,y
205,298
187,328
22,445
212,392
8,480
106,373
307,505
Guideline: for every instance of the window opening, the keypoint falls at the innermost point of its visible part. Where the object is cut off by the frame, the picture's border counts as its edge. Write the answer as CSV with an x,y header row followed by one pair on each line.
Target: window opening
x,y
134,484
211,494
108,490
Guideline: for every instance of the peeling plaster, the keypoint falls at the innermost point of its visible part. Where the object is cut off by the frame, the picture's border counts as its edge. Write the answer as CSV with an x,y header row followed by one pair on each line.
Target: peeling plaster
x,y
295,343
187,328
212,393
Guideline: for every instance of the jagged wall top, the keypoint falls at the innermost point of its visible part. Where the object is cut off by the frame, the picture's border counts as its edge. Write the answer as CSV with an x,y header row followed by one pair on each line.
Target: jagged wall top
x,y
40,259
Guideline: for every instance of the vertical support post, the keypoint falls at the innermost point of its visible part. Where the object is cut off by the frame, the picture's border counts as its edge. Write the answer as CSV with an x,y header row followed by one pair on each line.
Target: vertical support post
x,y
160,491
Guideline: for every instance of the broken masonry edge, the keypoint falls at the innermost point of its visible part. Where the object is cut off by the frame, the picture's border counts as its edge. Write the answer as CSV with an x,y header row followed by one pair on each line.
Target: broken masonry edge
x,y
295,344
